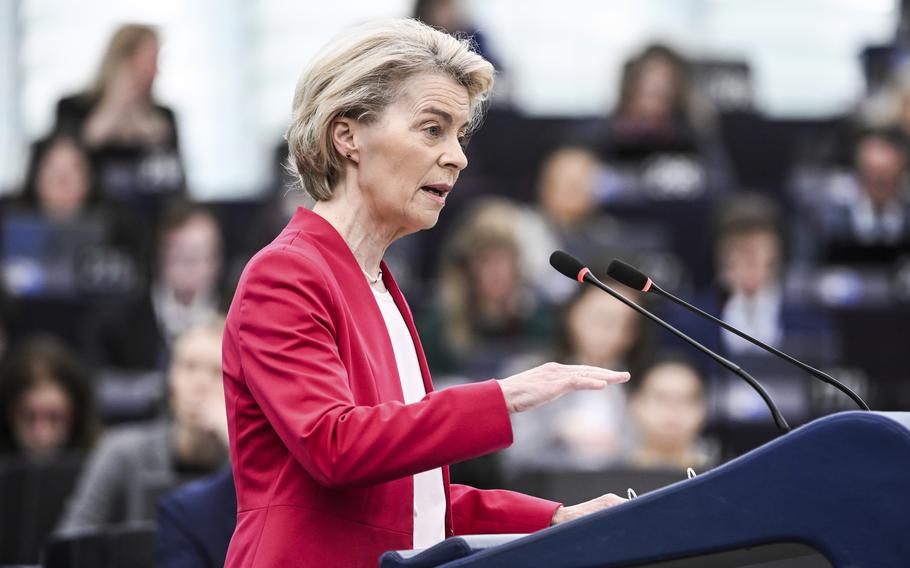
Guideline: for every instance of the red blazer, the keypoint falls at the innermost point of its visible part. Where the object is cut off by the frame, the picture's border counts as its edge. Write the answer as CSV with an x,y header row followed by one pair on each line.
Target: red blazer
x,y
322,445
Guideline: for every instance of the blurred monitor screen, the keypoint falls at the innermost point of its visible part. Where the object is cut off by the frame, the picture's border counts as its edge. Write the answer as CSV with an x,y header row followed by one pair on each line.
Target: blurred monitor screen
x,y
61,259
787,386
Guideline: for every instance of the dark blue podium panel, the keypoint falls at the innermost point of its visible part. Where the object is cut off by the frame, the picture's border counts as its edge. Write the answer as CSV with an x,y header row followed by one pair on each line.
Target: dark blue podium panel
x,y
839,485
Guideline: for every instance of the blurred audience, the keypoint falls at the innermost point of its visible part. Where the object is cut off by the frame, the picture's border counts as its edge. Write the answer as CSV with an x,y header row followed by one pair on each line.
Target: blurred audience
x,y
582,430
659,142
60,183
751,292
61,195
46,401
134,464
872,206
133,138
750,254
485,309
184,292
568,216
668,408
565,217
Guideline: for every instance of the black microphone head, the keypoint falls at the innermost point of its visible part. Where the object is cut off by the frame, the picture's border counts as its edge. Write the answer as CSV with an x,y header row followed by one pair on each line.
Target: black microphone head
x,y
628,275
568,265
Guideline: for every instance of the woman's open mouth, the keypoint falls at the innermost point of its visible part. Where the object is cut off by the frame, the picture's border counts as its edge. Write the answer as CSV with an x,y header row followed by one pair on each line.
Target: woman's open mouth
x,y
437,192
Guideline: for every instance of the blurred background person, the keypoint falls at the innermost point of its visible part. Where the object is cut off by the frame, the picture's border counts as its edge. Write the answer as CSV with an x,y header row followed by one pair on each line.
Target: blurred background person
x,y
569,216
582,432
60,183
61,189
872,206
565,216
485,309
135,464
47,401
751,291
133,139
185,291
750,256
668,408
660,140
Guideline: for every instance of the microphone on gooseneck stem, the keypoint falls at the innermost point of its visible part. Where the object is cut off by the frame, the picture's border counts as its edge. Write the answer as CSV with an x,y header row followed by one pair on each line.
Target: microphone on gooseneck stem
x,y
571,267
633,278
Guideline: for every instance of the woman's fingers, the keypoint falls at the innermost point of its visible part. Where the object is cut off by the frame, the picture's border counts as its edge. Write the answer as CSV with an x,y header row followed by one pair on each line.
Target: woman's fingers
x,y
606,375
564,514
584,377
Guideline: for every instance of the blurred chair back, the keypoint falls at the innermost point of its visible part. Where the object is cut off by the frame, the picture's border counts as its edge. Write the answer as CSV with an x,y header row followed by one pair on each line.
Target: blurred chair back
x,y
32,496
130,544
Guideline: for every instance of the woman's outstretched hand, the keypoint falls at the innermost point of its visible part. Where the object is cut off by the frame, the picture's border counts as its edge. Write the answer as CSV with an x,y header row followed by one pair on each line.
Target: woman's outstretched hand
x,y
550,381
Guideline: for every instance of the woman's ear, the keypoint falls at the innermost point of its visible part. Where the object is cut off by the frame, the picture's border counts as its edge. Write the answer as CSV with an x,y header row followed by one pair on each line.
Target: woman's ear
x,y
343,138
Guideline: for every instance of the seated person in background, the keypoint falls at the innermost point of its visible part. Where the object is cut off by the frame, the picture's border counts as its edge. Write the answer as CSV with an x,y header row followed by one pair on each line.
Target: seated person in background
x,y
750,249
45,400
582,430
660,139
750,293
749,257
872,206
184,292
60,182
485,308
668,406
133,139
196,521
61,189
190,442
568,216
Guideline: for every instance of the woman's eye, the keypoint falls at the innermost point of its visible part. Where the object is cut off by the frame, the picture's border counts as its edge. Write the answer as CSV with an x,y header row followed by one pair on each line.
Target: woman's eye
x,y
433,131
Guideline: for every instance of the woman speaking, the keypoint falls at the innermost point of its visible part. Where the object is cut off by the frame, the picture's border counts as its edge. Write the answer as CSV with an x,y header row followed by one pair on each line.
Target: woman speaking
x,y
339,444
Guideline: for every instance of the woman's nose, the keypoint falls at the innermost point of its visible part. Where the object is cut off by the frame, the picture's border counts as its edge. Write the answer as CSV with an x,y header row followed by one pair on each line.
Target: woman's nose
x,y
454,156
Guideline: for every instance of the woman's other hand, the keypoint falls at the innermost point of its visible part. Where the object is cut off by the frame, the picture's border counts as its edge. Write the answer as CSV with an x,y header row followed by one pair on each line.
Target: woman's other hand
x,y
564,514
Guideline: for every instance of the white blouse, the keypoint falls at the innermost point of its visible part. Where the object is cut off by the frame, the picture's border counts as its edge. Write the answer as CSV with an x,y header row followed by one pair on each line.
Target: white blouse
x,y
429,496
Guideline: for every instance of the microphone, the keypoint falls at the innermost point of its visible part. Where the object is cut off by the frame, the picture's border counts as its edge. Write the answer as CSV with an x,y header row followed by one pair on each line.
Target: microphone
x,y
633,278
571,267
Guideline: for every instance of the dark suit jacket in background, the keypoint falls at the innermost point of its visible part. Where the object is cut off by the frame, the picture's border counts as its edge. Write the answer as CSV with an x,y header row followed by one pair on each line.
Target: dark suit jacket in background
x,y
195,523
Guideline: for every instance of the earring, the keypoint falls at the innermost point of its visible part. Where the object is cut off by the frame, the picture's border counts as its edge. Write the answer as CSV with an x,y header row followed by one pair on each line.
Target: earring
x,y
348,154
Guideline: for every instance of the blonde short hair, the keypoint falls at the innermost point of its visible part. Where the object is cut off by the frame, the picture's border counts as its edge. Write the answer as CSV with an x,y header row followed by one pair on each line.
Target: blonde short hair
x,y
357,75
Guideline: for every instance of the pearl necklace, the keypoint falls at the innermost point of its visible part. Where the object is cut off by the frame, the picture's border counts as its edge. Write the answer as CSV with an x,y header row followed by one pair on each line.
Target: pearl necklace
x,y
370,279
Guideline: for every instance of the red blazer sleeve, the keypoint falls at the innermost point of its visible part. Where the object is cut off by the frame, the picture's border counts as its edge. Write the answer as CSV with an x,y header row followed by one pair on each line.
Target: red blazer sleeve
x,y
292,366
477,511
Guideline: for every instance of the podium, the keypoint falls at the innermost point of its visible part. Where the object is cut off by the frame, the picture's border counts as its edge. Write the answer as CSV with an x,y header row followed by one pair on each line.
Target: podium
x,y
834,492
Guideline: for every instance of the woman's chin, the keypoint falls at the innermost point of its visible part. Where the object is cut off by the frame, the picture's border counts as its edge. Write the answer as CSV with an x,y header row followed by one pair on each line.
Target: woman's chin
x,y
425,219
